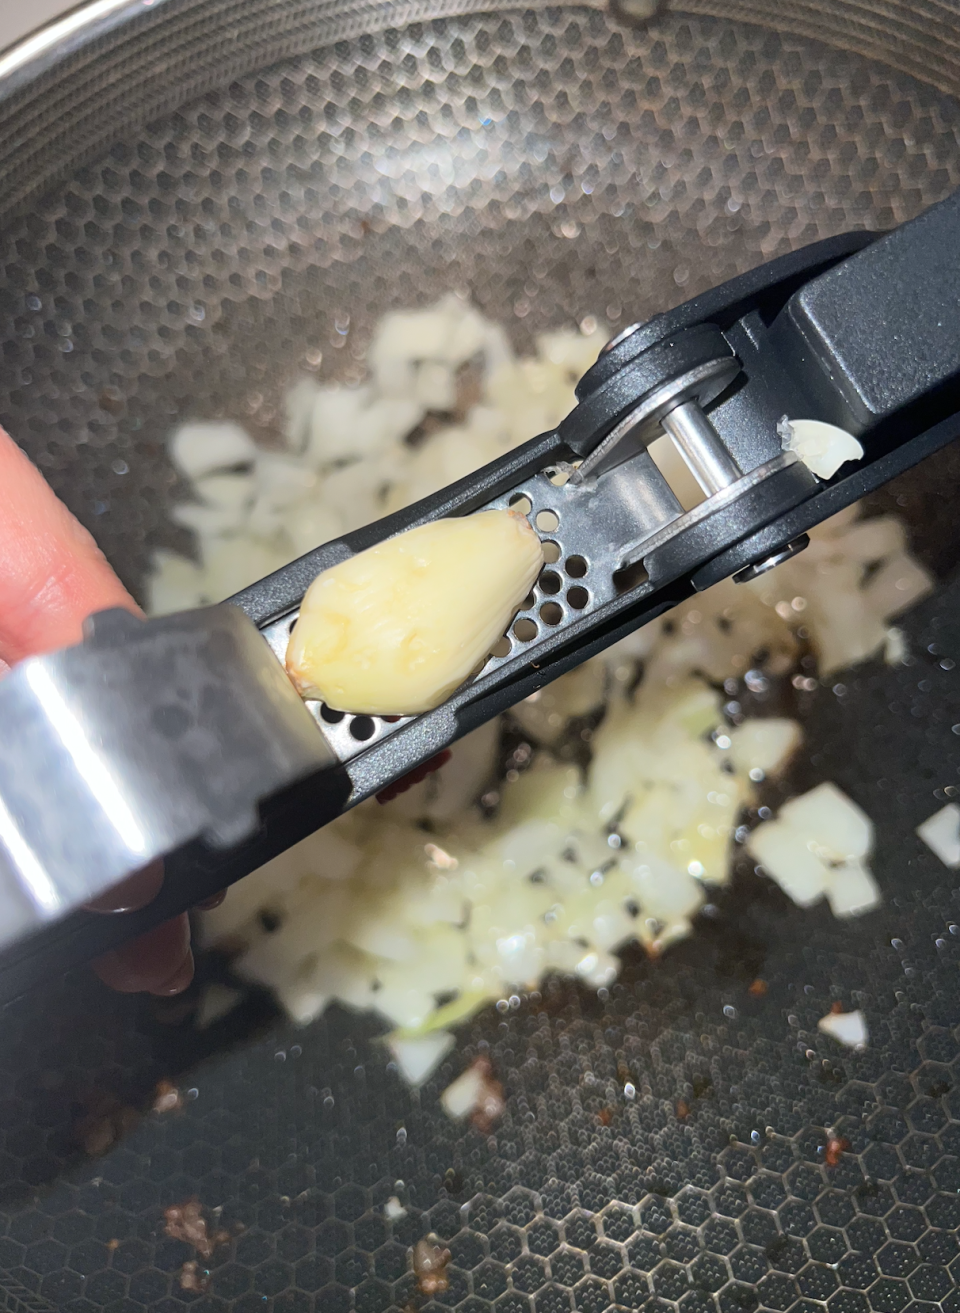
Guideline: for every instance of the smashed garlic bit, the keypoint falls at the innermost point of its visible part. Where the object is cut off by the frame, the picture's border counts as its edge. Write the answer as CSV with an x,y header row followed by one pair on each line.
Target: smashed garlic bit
x,y
394,630
823,448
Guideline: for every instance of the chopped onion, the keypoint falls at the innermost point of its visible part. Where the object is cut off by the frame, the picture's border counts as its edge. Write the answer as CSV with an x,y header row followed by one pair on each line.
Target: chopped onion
x,y
941,833
852,890
460,1097
817,846
848,1028
417,1059
205,447
764,745
833,822
557,868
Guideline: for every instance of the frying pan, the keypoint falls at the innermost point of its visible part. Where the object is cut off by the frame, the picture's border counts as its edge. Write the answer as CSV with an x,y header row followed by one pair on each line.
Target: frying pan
x,y
200,200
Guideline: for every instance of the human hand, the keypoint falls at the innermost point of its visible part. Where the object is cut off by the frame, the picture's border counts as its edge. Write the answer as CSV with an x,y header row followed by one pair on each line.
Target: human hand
x,y
52,577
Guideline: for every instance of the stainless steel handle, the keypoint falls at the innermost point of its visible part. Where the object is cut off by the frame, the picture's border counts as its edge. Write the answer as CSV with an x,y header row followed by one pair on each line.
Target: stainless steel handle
x,y
145,737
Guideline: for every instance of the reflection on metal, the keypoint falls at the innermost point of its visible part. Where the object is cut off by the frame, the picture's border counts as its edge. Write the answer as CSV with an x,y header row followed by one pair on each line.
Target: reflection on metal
x,y
147,736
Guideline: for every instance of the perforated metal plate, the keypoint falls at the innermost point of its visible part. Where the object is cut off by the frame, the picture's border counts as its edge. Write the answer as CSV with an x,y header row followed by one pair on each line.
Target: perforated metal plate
x,y
554,164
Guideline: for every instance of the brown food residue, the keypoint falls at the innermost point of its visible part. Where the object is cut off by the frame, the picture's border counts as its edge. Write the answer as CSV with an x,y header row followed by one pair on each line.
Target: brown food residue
x,y
836,1008
605,1116
490,1101
113,1245
430,1261
194,1277
103,1122
836,1145
168,1098
186,1222
758,988
682,1110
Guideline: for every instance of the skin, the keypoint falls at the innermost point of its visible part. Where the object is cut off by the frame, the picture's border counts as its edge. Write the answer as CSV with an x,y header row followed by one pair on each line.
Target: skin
x,y
52,576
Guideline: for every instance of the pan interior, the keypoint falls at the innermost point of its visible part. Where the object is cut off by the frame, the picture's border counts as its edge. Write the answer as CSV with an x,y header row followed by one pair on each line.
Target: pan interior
x,y
554,164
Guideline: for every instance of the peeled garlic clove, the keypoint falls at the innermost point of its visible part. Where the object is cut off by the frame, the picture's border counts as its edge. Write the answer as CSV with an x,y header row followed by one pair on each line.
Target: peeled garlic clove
x,y
394,630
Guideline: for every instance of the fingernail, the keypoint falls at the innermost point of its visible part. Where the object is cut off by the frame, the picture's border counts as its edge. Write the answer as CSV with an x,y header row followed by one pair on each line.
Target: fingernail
x,y
131,894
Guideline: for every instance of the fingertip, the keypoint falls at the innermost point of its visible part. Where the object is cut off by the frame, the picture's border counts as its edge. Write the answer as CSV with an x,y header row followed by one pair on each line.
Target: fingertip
x,y
152,961
180,979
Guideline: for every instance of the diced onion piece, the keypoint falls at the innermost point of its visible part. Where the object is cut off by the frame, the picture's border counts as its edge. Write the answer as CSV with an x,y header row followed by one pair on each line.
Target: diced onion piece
x,y
461,1096
394,630
452,791
206,446
784,855
545,714
215,1002
228,492
598,969
175,585
823,448
206,521
816,846
419,1058
852,890
896,649
897,584
875,539
764,745
828,818
941,833
849,1028
545,792
436,386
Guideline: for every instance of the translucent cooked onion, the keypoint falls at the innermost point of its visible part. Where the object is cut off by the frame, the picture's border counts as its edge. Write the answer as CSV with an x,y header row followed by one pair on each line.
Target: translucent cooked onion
x,y
536,866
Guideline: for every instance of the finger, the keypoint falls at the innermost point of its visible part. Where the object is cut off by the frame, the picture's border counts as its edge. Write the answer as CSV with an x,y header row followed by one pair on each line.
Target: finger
x,y
131,894
52,574
52,577
158,962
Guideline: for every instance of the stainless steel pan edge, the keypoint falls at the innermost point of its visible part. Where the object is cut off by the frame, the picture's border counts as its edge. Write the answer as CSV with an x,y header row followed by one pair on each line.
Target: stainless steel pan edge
x,y
109,65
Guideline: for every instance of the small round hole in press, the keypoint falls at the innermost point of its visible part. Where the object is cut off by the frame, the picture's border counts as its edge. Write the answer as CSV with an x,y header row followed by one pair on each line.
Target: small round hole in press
x,y
550,582
522,503
576,567
551,613
578,597
329,715
548,521
525,630
363,728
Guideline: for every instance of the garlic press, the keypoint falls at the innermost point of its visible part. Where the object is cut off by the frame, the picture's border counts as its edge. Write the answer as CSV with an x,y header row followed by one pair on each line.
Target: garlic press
x,y
181,738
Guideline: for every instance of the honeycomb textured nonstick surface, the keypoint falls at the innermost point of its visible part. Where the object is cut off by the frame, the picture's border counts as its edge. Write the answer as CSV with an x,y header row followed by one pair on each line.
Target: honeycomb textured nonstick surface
x,y
554,165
